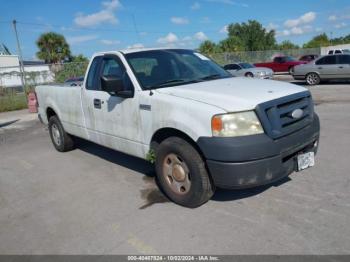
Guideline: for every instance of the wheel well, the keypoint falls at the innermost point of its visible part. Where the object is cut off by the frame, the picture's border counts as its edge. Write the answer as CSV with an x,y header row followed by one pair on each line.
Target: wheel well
x,y
49,113
248,73
165,133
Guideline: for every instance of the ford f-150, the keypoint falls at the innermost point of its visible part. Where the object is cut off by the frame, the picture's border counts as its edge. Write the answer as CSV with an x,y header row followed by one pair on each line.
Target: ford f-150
x,y
201,127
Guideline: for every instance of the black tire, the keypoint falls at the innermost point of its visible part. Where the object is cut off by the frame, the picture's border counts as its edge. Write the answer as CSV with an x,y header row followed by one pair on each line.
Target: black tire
x,y
200,190
56,130
313,79
249,74
290,70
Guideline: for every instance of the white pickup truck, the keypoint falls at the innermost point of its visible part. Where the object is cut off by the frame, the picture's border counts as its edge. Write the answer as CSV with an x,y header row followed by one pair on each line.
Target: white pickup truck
x,y
202,127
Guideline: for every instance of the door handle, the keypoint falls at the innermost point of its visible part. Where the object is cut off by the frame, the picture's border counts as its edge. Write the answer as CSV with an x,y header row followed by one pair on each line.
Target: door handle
x,y
340,67
320,68
97,103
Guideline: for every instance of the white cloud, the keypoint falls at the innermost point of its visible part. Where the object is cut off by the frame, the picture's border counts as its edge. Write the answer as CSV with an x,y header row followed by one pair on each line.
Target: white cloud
x,y
170,38
200,36
295,31
332,18
113,4
271,26
205,20
135,46
196,6
340,25
224,29
73,40
228,2
110,42
304,19
187,38
179,20
106,15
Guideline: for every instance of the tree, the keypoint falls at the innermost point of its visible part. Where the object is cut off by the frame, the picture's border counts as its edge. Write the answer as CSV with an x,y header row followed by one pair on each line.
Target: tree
x,y
207,47
53,48
230,44
252,36
79,59
341,40
287,45
318,41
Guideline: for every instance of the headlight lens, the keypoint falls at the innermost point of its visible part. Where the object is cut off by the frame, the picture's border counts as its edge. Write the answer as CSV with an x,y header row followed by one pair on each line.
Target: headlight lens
x,y
236,124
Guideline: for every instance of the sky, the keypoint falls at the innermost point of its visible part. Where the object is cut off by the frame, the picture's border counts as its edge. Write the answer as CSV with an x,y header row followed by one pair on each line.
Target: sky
x,y
98,25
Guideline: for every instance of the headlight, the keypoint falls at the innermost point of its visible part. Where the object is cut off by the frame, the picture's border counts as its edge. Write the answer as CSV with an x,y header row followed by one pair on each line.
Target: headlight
x,y
262,73
236,124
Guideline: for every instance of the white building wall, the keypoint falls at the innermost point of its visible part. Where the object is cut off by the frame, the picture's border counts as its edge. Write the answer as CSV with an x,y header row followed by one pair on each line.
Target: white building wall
x,y
9,60
10,72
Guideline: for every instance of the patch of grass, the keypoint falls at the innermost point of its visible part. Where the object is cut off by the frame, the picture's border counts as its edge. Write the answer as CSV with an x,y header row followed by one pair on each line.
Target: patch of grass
x,y
10,102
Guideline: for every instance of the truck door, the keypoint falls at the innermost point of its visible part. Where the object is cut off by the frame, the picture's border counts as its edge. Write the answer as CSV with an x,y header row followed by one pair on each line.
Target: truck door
x,y
114,120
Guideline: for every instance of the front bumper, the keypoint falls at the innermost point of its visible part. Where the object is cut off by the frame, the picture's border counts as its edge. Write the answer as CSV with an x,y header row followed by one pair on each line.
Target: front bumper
x,y
243,162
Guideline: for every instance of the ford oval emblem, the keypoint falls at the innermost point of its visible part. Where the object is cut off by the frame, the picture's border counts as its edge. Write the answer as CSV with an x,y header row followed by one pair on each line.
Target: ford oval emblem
x,y
297,113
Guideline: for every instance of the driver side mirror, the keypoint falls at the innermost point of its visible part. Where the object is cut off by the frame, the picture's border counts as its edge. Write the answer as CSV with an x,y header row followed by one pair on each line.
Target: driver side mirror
x,y
115,85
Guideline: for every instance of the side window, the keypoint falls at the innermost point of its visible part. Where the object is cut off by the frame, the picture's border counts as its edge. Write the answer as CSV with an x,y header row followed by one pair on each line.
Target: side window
x,y
330,52
231,67
92,75
327,60
113,67
337,51
320,61
344,59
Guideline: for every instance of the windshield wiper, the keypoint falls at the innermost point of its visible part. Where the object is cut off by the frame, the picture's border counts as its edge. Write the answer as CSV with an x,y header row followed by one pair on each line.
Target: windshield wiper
x,y
173,81
211,77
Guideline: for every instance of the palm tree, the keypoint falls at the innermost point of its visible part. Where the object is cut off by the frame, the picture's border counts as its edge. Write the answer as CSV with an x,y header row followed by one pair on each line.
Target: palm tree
x,y
53,48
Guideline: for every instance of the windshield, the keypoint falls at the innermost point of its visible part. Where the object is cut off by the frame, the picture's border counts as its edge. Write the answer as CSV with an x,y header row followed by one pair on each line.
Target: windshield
x,y
246,65
171,67
290,59
346,51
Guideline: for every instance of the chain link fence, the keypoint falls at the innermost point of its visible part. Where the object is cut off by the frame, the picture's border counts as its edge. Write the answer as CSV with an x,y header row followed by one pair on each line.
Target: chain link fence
x,y
260,56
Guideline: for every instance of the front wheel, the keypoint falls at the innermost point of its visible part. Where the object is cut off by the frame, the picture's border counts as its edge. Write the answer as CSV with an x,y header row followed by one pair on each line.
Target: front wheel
x,y
182,174
313,79
249,74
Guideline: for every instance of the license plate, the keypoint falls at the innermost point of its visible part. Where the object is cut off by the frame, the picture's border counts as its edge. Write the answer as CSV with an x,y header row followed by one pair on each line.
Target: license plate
x,y
306,160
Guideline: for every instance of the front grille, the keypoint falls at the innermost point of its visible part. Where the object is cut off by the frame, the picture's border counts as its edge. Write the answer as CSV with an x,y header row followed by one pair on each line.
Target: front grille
x,y
276,115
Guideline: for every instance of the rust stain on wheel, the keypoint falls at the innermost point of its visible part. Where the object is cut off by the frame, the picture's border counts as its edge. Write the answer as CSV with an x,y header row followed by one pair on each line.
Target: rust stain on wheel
x,y
176,174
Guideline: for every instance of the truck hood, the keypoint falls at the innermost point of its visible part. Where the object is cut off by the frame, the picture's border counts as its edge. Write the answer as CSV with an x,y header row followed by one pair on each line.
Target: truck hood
x,y
233,94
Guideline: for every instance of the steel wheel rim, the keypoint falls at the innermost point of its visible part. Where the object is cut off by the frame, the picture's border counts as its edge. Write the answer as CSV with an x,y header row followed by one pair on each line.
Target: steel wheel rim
x,y
56,134
312,79
176,174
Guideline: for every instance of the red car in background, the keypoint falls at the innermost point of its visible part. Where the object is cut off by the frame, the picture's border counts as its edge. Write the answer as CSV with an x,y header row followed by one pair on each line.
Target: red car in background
x,y
308,58
281,64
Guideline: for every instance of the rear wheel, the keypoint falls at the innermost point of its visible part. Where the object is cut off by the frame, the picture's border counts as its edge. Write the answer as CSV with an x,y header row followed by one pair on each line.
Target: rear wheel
x,y
313,79
182,174
60,139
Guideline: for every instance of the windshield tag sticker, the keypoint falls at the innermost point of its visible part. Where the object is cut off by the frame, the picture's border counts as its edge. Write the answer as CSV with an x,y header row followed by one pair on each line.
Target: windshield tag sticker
x,y
201,56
